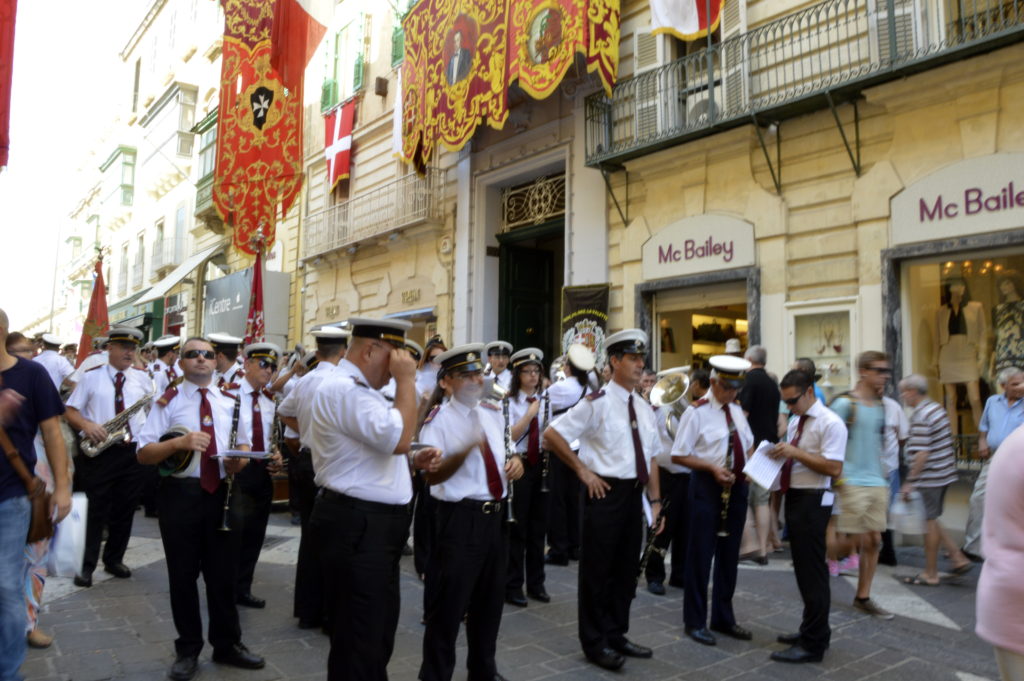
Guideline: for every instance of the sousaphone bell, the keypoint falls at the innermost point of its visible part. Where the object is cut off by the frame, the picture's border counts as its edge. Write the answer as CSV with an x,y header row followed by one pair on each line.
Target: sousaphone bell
x,y
670,391
180,460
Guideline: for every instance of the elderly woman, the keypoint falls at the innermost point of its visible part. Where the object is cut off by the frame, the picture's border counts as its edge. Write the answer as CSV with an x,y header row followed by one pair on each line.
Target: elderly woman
x,y
1000,590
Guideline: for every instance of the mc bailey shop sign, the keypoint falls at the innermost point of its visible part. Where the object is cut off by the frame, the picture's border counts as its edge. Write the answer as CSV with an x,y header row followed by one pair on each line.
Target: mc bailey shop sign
x,y
704,243
984,194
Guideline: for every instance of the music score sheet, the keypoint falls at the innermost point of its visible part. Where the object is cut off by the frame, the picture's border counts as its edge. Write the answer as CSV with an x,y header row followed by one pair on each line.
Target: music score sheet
x,y
762,468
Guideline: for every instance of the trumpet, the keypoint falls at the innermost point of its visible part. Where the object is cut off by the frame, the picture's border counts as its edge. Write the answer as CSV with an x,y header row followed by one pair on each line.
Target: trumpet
x,y
117,429
670,391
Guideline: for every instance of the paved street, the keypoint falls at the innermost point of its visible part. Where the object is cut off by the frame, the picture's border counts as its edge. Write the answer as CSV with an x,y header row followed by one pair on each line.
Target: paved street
x,y
122,629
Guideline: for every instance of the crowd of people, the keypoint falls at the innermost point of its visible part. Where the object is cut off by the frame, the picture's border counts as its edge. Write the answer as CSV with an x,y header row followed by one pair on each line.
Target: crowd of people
x,y
498,464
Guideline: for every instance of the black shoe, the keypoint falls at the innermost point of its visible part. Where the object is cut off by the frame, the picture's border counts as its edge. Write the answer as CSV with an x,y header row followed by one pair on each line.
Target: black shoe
x,y
309,622
540,594
735,631
516,598
119,570
701,635
656,588
250,601
676,583
630,649
607,658
973,557
789,639
887,559
556,559
184,667
796,654
84,580
238,656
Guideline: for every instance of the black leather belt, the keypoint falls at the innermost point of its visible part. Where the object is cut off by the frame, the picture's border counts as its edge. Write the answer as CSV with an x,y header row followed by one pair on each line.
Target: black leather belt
x,y
485,507
362,504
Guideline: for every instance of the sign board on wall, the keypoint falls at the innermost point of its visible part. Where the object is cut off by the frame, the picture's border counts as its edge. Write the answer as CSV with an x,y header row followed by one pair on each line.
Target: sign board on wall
x,y
984,194
704,243
226,304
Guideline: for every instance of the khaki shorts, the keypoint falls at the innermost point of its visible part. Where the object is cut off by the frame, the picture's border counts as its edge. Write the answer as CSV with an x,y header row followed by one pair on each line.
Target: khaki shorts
x,y
864,509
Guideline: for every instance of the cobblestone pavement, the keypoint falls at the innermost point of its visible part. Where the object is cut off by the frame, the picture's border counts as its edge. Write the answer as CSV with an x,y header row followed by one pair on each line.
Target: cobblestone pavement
x,y
122,629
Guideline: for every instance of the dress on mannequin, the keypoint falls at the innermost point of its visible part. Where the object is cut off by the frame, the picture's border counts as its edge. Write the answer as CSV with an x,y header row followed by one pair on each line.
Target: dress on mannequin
x,y
961,332
1008,321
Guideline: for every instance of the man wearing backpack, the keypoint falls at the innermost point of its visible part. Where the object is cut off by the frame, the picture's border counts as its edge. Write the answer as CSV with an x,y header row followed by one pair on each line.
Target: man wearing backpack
x,y
863,494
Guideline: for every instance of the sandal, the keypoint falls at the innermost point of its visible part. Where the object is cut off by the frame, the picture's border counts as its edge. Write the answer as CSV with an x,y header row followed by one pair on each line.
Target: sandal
x,y
961,570
918,580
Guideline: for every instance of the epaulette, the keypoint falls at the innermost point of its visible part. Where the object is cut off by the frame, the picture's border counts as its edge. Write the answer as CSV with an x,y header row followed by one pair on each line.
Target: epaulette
x,y
359,383
491,406
266,393
432,414
170,393
595,396
240,373
701,402
98,366
226,389
229,386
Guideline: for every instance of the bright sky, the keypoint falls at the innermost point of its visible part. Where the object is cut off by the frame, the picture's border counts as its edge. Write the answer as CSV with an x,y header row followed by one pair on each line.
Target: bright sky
x,y
65,71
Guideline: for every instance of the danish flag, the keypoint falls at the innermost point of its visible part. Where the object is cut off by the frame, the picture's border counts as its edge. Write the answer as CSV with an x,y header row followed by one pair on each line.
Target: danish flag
x,y
338,146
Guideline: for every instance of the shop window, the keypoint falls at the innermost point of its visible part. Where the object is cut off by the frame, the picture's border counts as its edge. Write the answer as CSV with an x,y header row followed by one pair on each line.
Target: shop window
x,y
825,334
694,323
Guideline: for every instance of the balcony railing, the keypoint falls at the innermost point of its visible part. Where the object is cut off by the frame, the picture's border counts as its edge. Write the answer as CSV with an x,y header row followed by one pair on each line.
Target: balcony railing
x,y
122,283
835,47
138,273
168,253
406,202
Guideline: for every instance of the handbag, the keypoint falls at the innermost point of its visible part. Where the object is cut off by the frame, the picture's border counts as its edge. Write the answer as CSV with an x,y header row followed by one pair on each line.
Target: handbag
x,y
41,524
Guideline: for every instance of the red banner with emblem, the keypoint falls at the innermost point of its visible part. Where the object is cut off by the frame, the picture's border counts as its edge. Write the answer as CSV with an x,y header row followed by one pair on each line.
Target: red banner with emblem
x,y
254,324
97,322
259,129
461,56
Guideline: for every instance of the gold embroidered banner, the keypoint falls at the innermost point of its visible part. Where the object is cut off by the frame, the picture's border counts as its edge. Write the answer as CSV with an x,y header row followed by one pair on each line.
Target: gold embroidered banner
x,y
461,56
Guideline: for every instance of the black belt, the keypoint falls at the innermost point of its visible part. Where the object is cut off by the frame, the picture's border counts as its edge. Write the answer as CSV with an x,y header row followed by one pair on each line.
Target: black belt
x,y
622,482
485,507
362,504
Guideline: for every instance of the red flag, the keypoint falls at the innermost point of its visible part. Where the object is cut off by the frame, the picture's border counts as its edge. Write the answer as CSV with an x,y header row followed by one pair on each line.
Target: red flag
x,y
338,126
8,9
254,327
299,26
97,323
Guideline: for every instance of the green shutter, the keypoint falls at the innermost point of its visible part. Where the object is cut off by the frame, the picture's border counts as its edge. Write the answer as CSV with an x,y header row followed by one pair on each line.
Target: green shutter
x,y
328,94
357,76
397,45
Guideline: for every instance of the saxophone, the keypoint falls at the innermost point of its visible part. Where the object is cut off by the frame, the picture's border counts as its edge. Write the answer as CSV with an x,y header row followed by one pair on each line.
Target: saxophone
x,y
117,429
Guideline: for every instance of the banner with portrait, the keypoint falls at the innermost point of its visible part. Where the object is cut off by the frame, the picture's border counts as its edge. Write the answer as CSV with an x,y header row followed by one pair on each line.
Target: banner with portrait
x,y
585,317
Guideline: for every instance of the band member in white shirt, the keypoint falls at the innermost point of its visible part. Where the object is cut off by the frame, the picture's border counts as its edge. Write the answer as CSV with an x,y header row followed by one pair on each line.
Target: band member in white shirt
x,y
189,424
165,366
56,364
113,479
619,444
498,354
228,370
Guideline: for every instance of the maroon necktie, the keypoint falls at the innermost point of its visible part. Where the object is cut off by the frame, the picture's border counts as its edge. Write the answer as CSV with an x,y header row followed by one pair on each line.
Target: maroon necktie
x,y
257,423
209,472
734,443
533,439
638,450
787,468
119,398
493,477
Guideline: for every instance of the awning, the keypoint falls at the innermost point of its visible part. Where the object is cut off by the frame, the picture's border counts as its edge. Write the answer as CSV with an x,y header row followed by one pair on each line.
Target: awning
x,y
180,272
131,300
409,314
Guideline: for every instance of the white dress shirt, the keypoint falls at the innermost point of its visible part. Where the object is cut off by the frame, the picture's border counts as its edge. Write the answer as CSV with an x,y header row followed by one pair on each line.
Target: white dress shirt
x,y
163,374
234,374
267,407
183,409
93,396
92,361
517,407
824,433
453,428
564,395
299,403
704,431
504,379
286,390
354,432
426,379
56,364
602,426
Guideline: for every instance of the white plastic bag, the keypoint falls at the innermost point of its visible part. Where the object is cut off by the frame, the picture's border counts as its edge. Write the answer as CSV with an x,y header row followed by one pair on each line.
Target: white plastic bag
x,y
68,546
907,515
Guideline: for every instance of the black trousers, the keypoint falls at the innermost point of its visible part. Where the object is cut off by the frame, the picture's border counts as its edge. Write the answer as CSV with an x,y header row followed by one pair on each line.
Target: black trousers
x,y
361,545
564,514
253,496
422,523
806,521
705,545
309,577
675,490
189,518
466,577
112,480
609,560
526,535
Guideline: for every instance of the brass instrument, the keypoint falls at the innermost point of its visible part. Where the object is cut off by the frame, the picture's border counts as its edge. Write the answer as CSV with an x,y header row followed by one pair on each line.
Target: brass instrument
x,y
649,547
117,429
179,461
670,391
723,520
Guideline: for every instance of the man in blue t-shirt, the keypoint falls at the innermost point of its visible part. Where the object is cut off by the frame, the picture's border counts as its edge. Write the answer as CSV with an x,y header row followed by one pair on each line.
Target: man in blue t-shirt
x,y
28,402
863,494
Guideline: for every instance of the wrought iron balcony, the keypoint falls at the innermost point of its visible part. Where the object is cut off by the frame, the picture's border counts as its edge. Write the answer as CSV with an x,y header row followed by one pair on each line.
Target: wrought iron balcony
x,y
406,202
828,52
122,282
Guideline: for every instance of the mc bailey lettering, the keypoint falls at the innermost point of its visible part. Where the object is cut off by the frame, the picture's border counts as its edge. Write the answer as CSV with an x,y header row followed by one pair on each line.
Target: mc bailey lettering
x,y
691,250
974,202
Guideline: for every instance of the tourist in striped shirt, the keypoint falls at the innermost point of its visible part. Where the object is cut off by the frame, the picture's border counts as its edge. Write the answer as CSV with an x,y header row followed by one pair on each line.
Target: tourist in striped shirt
x,y
929,452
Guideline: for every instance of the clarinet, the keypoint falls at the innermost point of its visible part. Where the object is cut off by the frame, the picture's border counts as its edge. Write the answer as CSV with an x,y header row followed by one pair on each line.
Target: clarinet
x,y
546,454
509,453
224,526
723,521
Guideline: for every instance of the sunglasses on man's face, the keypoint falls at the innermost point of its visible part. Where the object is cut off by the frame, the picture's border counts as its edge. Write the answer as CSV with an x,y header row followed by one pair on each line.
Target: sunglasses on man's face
x,y
196,354
267,364
793,400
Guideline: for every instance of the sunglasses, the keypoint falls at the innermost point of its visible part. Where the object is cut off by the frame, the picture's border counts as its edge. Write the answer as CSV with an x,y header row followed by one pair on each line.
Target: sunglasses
x,y
267,364
196,354
793,400
881,370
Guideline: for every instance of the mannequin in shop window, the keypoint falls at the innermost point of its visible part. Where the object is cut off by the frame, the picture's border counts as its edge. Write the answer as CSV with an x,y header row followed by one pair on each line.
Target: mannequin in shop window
x,y
1008,322
960,351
